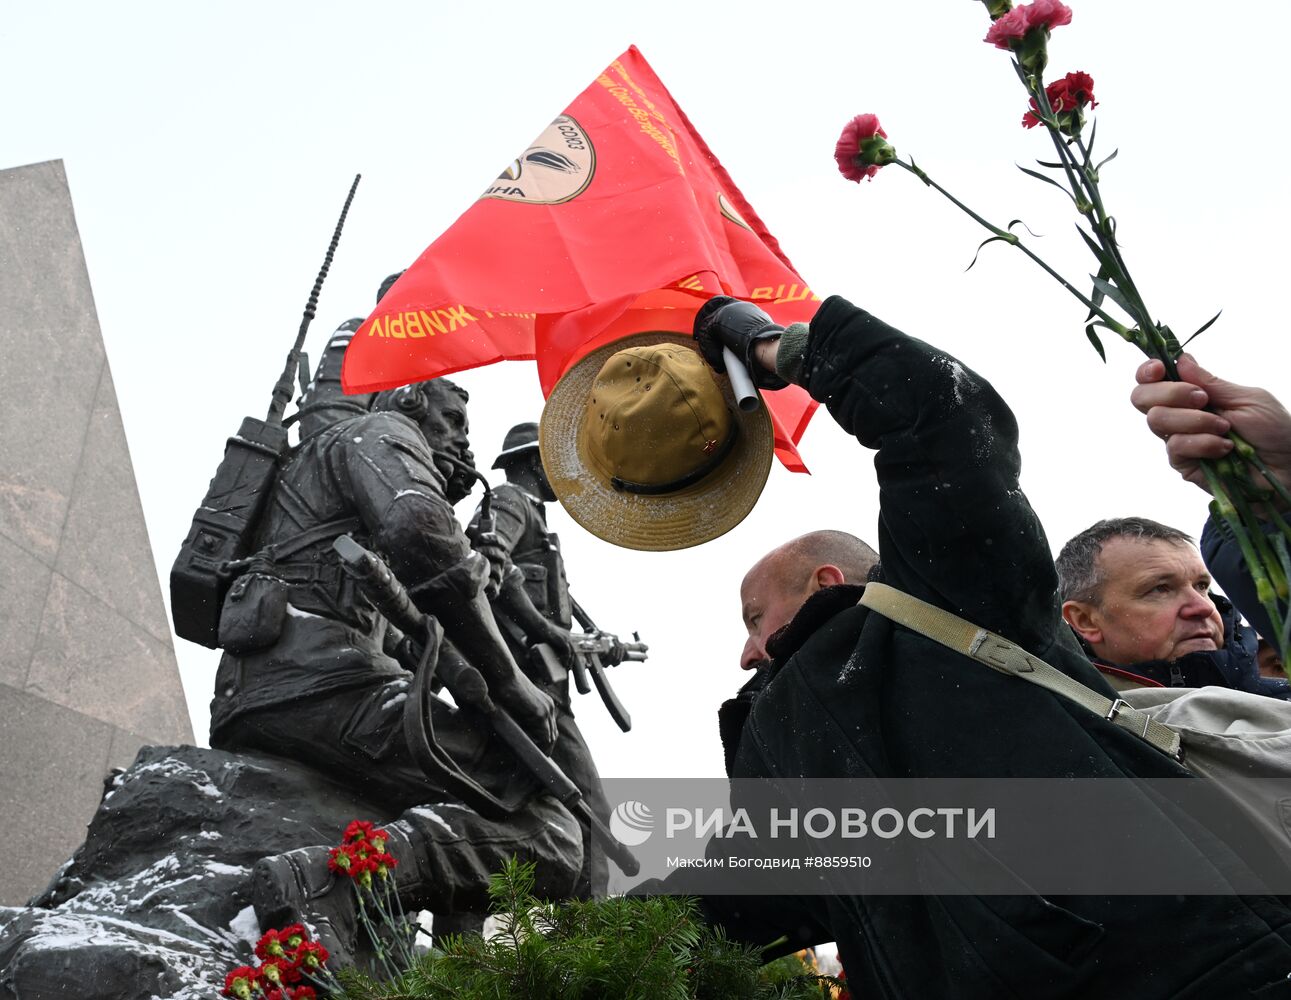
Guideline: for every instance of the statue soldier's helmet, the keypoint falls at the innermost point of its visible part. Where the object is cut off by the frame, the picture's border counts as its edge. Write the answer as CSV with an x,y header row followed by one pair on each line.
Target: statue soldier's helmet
x,y
644,446
521,440
388,284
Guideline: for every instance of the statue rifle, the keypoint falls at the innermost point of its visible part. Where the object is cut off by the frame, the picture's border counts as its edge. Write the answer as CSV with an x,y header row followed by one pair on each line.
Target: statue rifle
x,y
469,689
590,646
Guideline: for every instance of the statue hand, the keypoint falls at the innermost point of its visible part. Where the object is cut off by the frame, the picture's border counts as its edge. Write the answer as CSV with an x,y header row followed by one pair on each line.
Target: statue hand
x,y
533,710
615,656
499,560
559,640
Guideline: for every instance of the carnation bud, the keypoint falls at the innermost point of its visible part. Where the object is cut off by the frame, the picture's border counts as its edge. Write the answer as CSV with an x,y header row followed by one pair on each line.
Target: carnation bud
x,y
998,8
1033,54
1071,124
876,151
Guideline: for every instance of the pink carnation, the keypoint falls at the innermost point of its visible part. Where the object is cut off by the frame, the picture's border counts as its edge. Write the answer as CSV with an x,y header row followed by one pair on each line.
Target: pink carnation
x,y
848,147
1009,30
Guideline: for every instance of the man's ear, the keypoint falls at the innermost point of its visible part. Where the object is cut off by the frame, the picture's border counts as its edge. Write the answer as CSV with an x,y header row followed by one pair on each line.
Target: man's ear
x,y
826,576
1083,618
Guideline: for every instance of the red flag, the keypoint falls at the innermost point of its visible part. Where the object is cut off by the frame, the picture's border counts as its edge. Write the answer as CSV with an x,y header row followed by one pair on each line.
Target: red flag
x,y
617,219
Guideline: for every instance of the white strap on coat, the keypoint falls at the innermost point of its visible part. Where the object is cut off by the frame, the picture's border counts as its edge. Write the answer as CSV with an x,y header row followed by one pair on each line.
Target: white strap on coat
x,y
1007,657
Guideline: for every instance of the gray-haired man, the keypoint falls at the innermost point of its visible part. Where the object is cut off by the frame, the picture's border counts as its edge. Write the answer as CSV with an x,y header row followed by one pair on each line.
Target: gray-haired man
x,y
1137,594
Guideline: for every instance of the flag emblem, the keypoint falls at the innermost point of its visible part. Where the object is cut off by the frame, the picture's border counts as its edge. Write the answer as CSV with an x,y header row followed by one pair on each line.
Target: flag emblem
x,y
556,168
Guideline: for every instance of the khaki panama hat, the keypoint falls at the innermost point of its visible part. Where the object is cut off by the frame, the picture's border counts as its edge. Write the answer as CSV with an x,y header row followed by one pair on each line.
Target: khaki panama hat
x,y
644,446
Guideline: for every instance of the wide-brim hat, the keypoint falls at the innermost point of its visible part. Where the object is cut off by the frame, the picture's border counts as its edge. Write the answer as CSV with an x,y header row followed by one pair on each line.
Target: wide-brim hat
x,y
742,448
520,440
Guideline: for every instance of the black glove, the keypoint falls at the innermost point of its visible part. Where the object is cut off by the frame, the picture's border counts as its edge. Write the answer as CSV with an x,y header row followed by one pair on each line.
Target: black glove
x,y
728,322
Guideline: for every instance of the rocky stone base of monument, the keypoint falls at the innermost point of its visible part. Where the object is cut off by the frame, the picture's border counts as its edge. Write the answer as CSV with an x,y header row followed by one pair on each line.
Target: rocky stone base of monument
x,y
156,902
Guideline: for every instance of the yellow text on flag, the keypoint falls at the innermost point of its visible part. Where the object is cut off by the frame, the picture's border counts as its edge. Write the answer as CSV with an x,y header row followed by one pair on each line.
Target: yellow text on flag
x,y
415,323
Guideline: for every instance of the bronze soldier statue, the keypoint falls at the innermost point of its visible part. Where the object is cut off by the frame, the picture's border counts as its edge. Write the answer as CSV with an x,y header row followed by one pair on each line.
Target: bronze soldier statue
x,y
311,677
533,607
309,670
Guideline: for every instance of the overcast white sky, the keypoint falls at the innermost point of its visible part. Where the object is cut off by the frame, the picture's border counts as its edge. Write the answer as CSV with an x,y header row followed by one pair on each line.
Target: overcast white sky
x,y
209,148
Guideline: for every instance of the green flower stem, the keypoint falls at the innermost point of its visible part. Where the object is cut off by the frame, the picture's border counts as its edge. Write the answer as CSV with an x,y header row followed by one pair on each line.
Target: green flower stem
x,y
1243,448
1001,233
1223,506
1082,182
1281,543
1015,240
324,979
1279,522
401,926
373,934
1262,548
1101,224
1228,481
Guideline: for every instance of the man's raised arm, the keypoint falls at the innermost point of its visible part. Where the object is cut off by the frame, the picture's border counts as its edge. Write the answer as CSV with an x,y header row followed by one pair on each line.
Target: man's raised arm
x,y
954,527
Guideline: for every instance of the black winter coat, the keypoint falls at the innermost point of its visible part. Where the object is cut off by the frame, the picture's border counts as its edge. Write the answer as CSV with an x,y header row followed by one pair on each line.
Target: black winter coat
x,y
955,530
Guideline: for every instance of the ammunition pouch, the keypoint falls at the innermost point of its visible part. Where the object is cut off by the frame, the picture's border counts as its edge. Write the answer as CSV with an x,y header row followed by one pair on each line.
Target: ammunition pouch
x,y
535,585
544,580
545,666
253,612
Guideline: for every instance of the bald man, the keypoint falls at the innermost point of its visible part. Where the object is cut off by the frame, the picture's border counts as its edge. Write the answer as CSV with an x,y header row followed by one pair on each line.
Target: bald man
x,y
781,582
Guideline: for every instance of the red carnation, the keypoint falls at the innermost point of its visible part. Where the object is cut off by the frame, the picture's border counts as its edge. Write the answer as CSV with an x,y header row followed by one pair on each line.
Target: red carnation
x,y
304,993
240,982
271,945
359,829
862,148
340,859
311,955
1009,31
361,864
279,971
293,935
1068,97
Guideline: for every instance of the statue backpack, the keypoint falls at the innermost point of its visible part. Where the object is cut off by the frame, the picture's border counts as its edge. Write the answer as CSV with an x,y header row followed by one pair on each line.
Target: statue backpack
x,y
224,527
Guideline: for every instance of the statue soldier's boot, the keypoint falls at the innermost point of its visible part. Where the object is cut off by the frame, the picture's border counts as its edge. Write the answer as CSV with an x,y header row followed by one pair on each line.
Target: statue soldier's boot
x,y
448,854
444,857
298,887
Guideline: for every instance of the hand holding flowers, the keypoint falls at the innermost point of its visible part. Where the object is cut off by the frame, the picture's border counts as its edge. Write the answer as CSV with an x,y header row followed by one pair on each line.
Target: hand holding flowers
x,y
1241,483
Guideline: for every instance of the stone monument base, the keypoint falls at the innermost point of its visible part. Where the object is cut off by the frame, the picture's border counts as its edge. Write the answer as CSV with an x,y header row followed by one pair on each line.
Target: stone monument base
x,y
156,902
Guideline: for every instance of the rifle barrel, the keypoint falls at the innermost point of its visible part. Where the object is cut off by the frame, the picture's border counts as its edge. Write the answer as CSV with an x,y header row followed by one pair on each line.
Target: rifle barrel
x,y
286,386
